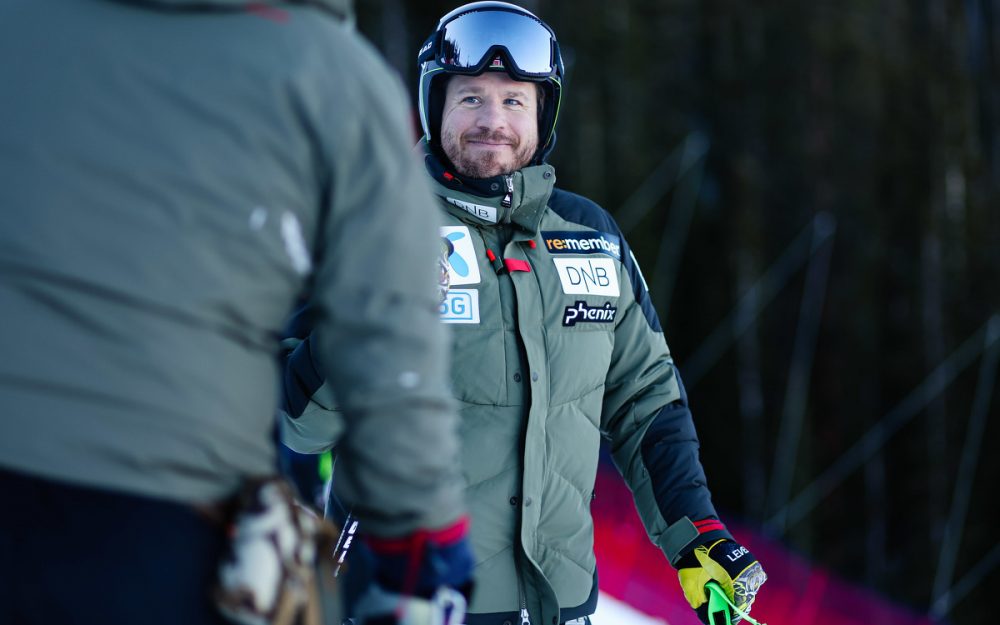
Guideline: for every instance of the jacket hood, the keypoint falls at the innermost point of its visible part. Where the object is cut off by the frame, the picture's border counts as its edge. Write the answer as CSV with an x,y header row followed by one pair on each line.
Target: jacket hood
x,y
340,8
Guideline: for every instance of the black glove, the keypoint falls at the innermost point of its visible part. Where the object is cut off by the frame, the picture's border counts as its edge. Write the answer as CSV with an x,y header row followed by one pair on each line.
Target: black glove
x,y
726,562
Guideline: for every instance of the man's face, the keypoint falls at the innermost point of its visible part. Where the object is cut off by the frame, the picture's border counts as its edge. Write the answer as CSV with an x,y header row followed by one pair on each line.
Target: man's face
x,y
489,125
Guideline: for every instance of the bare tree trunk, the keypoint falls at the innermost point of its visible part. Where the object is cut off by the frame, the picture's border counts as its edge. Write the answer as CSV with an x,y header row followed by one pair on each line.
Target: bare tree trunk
x,y
875,516
932,280
937,413
751,392
396,36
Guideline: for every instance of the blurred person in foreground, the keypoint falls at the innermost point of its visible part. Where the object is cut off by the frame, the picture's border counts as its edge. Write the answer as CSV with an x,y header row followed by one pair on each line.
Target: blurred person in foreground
x,y
556,343
176,176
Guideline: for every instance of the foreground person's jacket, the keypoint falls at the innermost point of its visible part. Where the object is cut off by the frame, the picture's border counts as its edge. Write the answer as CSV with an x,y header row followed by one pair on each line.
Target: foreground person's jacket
x,y
177,176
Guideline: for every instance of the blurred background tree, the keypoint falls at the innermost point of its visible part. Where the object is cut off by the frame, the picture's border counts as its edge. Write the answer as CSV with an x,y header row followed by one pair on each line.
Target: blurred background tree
x,y
813,191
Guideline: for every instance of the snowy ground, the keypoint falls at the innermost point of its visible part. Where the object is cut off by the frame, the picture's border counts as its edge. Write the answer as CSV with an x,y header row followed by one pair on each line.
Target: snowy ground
x,y
611,611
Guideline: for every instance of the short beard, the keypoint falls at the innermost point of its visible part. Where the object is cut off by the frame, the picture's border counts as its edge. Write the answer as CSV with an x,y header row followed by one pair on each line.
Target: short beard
x,y
488,165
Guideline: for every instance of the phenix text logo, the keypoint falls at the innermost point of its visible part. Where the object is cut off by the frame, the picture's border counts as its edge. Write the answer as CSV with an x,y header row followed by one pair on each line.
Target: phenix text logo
x,y
580,312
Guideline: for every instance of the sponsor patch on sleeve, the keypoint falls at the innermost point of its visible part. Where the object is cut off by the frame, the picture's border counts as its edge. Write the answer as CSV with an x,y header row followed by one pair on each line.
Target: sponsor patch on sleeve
x,y
582,242
460,306
463,267
581,312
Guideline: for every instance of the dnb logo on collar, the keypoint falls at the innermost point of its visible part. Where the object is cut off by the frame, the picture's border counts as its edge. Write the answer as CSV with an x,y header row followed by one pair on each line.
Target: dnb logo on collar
x,y
486,213
581,312
582,242
463,267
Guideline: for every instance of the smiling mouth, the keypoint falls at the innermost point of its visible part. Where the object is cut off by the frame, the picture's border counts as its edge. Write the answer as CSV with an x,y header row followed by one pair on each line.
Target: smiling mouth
x,y
489,143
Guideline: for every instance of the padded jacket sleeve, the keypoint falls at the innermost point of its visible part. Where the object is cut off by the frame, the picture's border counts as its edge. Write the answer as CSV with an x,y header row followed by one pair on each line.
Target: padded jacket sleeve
x,y
377,339
646,417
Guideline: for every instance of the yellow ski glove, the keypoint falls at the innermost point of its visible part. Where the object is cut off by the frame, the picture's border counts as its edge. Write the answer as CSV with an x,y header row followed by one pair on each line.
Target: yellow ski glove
x,y
726,562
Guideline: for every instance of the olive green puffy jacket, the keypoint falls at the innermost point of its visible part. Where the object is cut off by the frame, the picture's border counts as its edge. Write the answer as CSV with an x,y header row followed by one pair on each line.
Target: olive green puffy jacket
x,y
556,344
177,176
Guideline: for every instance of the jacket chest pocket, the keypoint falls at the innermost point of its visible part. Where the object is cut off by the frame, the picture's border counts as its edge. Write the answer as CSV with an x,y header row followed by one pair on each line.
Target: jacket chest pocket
x,y
580,347
581,299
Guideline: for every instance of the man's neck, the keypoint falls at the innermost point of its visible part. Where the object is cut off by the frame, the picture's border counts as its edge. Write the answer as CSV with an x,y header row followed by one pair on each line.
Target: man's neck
x,y
442,170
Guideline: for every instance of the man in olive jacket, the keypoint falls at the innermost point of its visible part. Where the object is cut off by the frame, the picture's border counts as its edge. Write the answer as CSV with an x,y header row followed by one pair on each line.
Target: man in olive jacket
x,y
177,175
556,343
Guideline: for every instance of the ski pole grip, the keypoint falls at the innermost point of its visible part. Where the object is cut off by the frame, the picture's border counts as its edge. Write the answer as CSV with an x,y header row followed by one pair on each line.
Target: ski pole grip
x,y
718,607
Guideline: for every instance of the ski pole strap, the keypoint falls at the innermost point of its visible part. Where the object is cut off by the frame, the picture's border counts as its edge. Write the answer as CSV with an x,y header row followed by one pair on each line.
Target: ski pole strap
x,y
719,606
344,542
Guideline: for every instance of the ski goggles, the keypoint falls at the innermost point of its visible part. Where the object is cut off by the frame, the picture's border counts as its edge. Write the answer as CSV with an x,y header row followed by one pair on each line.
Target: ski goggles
x,y
471,41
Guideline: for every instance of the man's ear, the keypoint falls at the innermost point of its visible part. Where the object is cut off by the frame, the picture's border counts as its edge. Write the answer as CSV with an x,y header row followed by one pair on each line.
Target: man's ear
x,y
435,105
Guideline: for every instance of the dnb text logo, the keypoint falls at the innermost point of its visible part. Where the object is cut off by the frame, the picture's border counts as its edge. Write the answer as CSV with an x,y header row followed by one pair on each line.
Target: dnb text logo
x,y
486,213
588,276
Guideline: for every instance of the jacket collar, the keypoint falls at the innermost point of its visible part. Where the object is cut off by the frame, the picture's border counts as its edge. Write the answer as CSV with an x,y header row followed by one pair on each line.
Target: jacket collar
x,y
519,199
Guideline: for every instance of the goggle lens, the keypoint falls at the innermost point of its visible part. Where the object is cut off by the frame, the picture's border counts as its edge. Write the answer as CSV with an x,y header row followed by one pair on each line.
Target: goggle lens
x,y
468,39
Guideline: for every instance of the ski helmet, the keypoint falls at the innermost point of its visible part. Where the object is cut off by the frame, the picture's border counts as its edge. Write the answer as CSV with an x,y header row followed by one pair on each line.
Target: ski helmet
x,y
491,36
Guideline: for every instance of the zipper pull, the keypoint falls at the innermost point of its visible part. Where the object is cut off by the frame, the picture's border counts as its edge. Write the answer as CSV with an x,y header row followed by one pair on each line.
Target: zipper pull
x,y
509,198
495,262
525,619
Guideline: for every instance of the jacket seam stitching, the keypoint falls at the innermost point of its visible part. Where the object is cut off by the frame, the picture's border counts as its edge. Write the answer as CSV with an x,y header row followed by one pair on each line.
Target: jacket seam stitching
x,y
502,550
566,556
487,479
571,484
572,400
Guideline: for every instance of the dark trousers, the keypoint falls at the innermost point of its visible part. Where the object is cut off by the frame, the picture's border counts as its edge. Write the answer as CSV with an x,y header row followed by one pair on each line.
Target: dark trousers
x,y
72,555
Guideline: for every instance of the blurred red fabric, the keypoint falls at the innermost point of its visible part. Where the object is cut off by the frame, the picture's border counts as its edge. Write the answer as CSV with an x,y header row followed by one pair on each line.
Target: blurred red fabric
x,y
797,592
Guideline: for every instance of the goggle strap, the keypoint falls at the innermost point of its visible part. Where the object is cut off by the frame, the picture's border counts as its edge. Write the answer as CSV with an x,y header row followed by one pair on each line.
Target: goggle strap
x,y
429,50
487,60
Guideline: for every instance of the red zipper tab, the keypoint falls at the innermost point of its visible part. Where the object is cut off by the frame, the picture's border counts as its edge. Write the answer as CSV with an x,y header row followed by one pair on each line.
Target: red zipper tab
x,y
514,264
